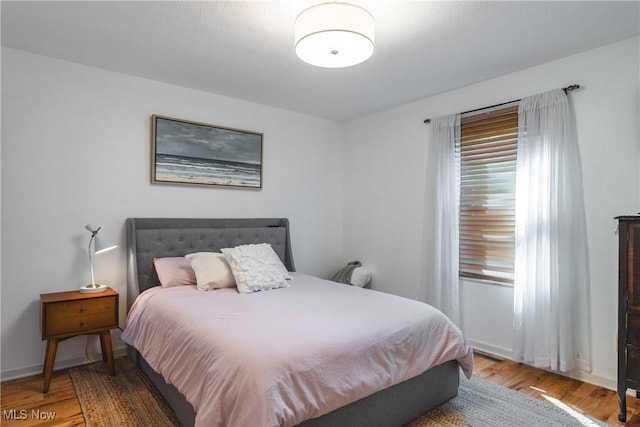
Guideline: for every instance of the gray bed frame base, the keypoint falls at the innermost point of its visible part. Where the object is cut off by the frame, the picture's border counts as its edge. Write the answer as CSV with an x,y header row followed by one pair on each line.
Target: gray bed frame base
x,y
149,238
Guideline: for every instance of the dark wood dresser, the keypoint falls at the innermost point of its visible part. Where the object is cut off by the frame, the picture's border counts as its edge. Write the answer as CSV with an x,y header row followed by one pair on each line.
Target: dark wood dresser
x,y
628,309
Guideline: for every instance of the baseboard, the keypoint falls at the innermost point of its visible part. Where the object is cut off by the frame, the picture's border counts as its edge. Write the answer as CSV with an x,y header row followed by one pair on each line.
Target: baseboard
x,y
591,378
492,350
587,377
487,356
28,371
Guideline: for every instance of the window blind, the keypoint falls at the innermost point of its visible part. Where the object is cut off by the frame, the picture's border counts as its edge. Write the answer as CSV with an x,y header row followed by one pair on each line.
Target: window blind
x,y
488,146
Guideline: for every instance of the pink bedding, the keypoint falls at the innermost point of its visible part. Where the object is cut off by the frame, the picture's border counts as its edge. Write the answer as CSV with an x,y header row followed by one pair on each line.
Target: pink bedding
x,y
279,357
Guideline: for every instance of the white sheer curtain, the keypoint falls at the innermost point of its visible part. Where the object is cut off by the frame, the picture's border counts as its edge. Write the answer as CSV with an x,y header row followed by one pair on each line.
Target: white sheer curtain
x,y
551,283
442,201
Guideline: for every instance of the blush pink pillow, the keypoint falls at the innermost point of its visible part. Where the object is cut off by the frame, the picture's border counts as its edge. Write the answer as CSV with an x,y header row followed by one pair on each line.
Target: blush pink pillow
x,y
174,271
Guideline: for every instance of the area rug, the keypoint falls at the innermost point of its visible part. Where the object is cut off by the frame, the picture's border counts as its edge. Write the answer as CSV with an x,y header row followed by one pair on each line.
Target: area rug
x,y
480,403
128,399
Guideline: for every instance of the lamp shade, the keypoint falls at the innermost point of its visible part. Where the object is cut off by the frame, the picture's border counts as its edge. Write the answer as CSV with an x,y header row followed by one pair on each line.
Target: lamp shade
x,y
334,35
102,244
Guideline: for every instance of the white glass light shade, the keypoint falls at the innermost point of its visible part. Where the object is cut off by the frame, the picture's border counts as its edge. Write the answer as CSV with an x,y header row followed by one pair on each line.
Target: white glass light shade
x,y
334,35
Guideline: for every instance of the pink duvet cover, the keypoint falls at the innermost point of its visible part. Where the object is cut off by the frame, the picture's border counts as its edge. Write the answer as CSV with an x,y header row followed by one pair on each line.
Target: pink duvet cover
x,y
279,357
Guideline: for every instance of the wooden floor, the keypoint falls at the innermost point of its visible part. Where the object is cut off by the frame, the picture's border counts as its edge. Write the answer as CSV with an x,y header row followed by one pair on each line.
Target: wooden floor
x,y
588,399
23,402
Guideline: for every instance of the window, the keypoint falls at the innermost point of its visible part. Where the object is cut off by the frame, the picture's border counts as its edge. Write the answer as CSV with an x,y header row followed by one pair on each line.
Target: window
x,y
488,145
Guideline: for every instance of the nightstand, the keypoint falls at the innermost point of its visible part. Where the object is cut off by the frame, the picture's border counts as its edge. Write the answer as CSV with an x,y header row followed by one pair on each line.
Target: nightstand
x,y
68,314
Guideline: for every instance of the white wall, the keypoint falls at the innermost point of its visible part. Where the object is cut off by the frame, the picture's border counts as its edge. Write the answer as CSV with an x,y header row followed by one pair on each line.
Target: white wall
x,y
76,149
385,182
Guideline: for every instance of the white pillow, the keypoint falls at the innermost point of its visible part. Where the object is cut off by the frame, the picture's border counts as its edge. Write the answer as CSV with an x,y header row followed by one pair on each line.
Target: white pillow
x,y
212,270
256,268
360,277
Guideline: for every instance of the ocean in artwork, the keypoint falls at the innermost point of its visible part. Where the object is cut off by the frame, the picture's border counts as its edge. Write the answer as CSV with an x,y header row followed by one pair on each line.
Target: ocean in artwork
x,y
196,170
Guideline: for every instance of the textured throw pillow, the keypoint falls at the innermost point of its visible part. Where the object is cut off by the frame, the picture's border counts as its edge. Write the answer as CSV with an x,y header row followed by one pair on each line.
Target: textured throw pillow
x,y
212,270
174,271
256,268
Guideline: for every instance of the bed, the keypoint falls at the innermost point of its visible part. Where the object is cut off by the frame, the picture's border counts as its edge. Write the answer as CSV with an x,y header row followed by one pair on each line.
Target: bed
x,y
384,397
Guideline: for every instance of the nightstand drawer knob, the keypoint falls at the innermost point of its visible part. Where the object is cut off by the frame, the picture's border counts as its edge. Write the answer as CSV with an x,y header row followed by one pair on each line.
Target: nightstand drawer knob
x,y
81,309
82,324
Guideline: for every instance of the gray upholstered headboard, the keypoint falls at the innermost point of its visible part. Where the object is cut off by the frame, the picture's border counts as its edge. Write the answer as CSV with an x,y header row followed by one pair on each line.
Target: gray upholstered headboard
x,y
149,238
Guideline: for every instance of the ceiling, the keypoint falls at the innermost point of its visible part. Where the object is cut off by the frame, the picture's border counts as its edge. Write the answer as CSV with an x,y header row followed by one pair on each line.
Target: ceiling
x,y
245,49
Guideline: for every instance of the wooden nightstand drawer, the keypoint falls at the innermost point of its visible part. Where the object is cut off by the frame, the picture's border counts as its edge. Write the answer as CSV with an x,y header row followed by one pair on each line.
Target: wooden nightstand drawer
x,y
80,316
72,313
633,329
64,309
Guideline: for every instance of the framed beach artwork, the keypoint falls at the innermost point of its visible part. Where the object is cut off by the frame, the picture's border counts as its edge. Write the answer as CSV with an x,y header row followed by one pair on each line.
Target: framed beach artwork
x,y
185,152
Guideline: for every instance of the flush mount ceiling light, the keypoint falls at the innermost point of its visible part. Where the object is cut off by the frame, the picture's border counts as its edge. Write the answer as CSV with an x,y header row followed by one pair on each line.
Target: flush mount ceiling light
x,y
334,35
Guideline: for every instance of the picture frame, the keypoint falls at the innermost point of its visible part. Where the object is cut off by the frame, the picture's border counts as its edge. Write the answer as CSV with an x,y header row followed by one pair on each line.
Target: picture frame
x,y
193,153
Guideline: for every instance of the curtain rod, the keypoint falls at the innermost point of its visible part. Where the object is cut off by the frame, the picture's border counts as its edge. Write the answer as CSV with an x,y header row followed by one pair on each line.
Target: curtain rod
x,y
565,89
